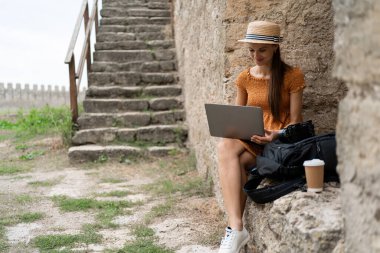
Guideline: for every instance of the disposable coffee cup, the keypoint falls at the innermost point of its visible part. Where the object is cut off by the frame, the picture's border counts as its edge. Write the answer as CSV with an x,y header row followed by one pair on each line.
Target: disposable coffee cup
x,y
314,170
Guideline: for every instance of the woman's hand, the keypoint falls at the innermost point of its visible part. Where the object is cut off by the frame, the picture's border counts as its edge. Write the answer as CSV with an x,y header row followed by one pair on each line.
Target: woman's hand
x,y
268,137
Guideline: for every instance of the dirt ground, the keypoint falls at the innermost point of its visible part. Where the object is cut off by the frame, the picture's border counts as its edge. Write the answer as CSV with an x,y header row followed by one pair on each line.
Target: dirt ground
x,y
40,171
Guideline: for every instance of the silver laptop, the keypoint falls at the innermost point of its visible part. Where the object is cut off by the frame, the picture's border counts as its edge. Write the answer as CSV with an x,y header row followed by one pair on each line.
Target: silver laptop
x,y
234,121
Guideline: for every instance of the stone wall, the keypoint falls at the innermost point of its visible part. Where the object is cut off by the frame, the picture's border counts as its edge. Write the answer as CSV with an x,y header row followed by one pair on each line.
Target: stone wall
x,y
17,96
210,58
200,42
357,41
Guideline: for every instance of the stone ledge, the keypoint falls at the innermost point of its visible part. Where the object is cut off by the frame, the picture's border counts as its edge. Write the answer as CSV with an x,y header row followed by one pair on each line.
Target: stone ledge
x,y
297,222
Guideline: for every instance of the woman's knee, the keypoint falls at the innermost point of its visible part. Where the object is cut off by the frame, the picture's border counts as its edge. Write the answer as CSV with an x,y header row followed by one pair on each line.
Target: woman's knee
x,y
247,160
228,147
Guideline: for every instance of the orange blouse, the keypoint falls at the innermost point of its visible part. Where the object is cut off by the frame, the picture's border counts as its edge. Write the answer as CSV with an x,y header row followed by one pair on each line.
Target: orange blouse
x,y
257,93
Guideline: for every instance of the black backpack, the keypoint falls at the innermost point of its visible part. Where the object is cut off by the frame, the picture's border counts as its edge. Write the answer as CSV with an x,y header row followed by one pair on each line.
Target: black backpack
x,y
284,162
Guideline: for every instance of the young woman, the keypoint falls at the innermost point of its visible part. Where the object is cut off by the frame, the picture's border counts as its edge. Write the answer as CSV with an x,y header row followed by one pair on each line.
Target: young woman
x,y
277,88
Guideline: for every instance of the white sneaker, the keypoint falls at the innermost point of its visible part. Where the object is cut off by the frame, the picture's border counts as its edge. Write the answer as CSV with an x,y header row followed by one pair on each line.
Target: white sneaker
x,y
234,240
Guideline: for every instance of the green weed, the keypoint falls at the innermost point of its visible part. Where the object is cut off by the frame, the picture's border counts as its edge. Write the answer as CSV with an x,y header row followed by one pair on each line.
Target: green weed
x,y
158,211
32,155
144,246
53,243
20,218
115,194
11,169
141,231
24,198
102,159
112,180
22,147
107,210
30,217
46,183
36,122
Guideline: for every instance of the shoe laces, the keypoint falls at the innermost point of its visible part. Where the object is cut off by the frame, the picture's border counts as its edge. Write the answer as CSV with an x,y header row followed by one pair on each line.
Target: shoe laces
x,y
228,238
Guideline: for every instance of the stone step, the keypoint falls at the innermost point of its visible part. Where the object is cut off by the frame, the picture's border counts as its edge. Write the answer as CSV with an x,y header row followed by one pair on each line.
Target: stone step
x,y
144,36
131,28
130,78
135,21
134,55
133,12
139,5
135,45
133,92
114,37
92,105
153,134
93,153
129,119
154,66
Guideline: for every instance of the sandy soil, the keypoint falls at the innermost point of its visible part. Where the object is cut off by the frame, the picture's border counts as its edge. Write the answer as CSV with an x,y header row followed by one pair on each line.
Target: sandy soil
x,y
193,225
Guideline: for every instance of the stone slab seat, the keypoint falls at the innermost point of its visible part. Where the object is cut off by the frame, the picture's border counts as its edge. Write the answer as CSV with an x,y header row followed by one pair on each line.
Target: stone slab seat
x,y
298,222
124,105
135,21
129,119
135,45
133,92
131,28
156,134
88,153
133,12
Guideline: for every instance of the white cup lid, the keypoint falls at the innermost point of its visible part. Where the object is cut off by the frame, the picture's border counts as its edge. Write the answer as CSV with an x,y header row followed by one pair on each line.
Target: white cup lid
x,y
314,162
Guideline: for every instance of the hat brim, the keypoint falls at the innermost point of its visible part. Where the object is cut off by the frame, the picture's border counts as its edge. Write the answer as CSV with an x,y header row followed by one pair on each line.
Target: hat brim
x,y
258,41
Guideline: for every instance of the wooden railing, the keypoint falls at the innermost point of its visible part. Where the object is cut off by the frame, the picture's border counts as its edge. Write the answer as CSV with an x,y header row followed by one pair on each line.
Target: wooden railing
x,y
76,75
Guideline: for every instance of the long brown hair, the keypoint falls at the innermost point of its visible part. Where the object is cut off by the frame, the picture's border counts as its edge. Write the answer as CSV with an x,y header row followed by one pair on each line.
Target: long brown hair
x,y
276,83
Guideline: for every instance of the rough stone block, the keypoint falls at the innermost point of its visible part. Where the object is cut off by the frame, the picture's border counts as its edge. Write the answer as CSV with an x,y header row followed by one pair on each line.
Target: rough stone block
x,y
297,222
159,104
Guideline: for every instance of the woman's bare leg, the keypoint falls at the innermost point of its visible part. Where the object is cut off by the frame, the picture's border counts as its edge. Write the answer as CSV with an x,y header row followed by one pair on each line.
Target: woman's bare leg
x,y
231,178
247,160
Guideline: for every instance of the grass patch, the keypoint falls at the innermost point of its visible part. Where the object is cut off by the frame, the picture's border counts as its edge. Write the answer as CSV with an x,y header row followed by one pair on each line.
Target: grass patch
x,y
32,155
192,187
158,211
31,217
42,121
53,243
141,231
107,210
7,169
143,246
115,194
28,217
112,180
144,243
46,183
3,241
24,198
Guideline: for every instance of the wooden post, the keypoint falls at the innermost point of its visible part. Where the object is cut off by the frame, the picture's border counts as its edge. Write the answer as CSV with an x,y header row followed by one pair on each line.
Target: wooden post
x,y
96,18
73,91
88,42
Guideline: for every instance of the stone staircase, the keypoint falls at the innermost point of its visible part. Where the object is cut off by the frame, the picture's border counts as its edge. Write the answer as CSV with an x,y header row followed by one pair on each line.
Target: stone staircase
x,y
133,105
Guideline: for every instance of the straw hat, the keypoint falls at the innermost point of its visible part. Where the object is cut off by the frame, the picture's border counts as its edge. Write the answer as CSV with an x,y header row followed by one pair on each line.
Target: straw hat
x,y
263,32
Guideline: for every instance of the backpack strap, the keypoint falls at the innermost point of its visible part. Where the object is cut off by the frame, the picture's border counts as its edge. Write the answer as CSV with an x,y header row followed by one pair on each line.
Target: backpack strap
x,y
273,192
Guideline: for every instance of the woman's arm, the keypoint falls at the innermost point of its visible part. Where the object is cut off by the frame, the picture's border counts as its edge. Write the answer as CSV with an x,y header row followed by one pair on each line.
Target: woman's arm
x,y
295,117
296,107
241,96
